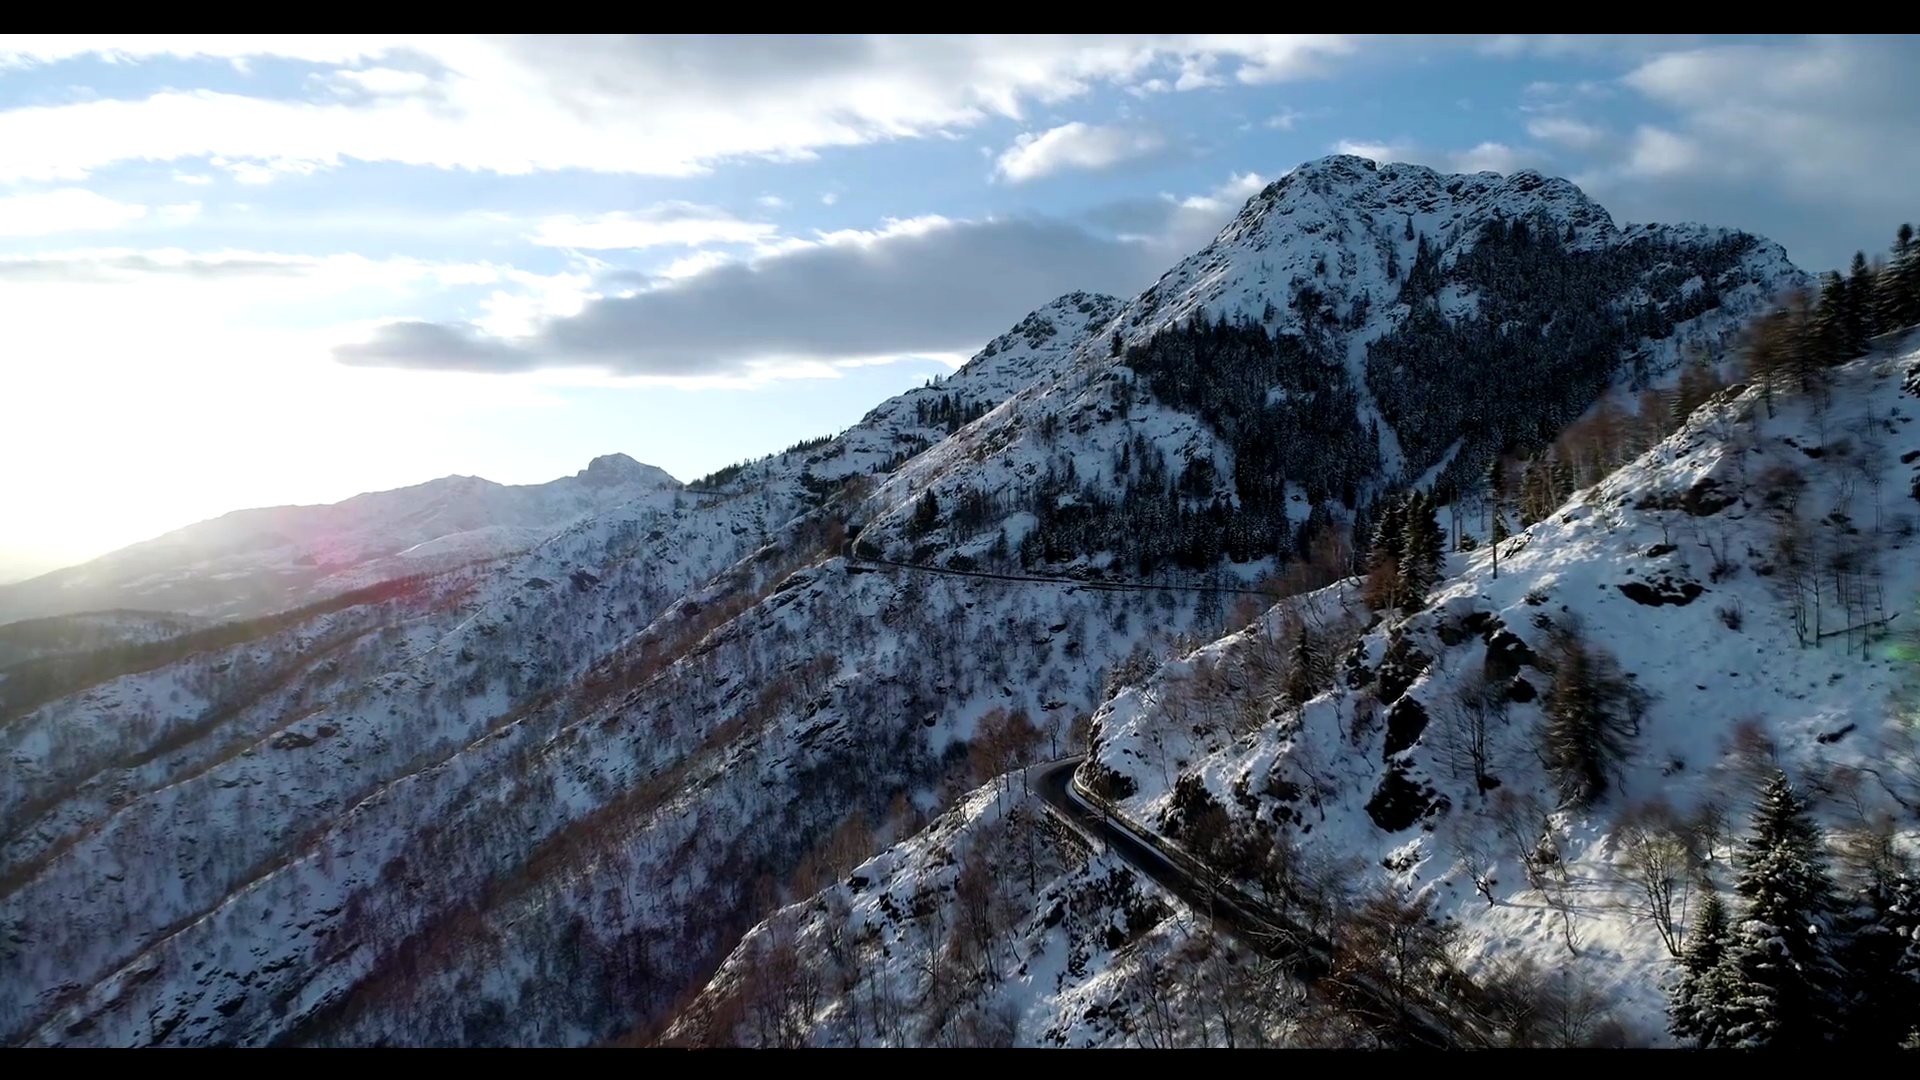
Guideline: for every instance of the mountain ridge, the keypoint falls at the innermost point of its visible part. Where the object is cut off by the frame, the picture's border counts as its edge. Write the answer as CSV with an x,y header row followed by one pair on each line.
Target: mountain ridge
x,y
1380,768
279,557
631,737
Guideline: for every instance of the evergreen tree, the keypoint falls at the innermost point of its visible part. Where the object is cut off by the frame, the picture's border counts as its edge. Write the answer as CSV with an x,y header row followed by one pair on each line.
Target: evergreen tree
x,y
1422,547
1783,983
1389,535
1694,1012
926,515
1303,665
1591,712
1536,492
1881,958
1829,330
1862,321
1897,300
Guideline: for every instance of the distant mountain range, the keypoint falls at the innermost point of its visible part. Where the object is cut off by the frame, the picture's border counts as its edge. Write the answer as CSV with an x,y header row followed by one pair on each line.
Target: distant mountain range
x,y
252,562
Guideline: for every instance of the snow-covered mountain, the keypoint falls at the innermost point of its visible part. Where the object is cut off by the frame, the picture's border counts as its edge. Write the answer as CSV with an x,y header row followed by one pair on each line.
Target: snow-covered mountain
x,y
539,799
1355,328
252,562
271,788
1730,593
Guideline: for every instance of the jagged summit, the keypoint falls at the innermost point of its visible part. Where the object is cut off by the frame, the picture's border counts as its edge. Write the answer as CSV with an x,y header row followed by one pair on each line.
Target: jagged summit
x,y
1347,229
1355,329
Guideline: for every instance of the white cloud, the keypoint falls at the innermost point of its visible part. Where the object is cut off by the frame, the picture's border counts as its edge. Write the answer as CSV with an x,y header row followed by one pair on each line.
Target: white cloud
x,y
65,210
1073,146
178,213
1566,131
1484,157
667,225
1285,119
1583,45
1375,151
1807,141
914,286
234,272
692,265
772,202
21,49
1490,157
383,82
623,105
1228,197
1655,152
1828,118
1271,58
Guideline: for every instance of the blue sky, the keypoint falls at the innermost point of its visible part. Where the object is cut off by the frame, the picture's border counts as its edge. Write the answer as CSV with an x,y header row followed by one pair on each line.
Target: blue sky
x,y
241,271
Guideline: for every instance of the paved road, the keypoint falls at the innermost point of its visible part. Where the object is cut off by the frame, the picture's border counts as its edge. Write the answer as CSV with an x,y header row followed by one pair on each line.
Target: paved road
x,y
1054,782
1263,932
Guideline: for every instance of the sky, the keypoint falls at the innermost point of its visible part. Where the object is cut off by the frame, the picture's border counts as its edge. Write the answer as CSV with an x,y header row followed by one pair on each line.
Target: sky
x,y
254,270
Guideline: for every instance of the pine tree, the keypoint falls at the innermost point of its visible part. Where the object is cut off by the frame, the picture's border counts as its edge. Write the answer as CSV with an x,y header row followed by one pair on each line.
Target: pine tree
x,y
1303,666
1783,980
1829,331
1862,320
926,515
1897,298
1421,550
1881,958
1699,998
1389,534
1536,492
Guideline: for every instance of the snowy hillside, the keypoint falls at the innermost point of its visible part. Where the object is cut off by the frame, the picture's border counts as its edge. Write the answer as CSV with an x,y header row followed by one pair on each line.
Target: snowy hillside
x,y
1736,647
252,562
539,797
269,787
1733,593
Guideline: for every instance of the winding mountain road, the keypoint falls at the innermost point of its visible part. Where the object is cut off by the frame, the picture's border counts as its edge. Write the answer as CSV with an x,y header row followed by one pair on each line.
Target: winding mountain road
x,y
1267,933
1054,782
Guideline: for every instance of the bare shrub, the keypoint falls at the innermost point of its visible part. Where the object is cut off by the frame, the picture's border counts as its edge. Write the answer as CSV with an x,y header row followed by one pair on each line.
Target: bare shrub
x,y
1732,614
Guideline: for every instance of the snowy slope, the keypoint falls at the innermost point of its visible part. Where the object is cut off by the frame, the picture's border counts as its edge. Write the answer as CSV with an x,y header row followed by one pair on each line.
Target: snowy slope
x,y
993,926
251,562
1672,565
258,801
629,741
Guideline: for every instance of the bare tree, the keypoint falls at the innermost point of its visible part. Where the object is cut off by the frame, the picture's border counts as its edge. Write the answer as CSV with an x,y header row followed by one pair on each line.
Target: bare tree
x,y
1468,842
1560,1009
1157,1026
1392,951
1469,720
1657,863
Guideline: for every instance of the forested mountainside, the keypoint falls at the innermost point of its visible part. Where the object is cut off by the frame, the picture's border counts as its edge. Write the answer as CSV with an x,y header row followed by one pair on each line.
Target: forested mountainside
x,y
1355,329
538,799
1650,774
